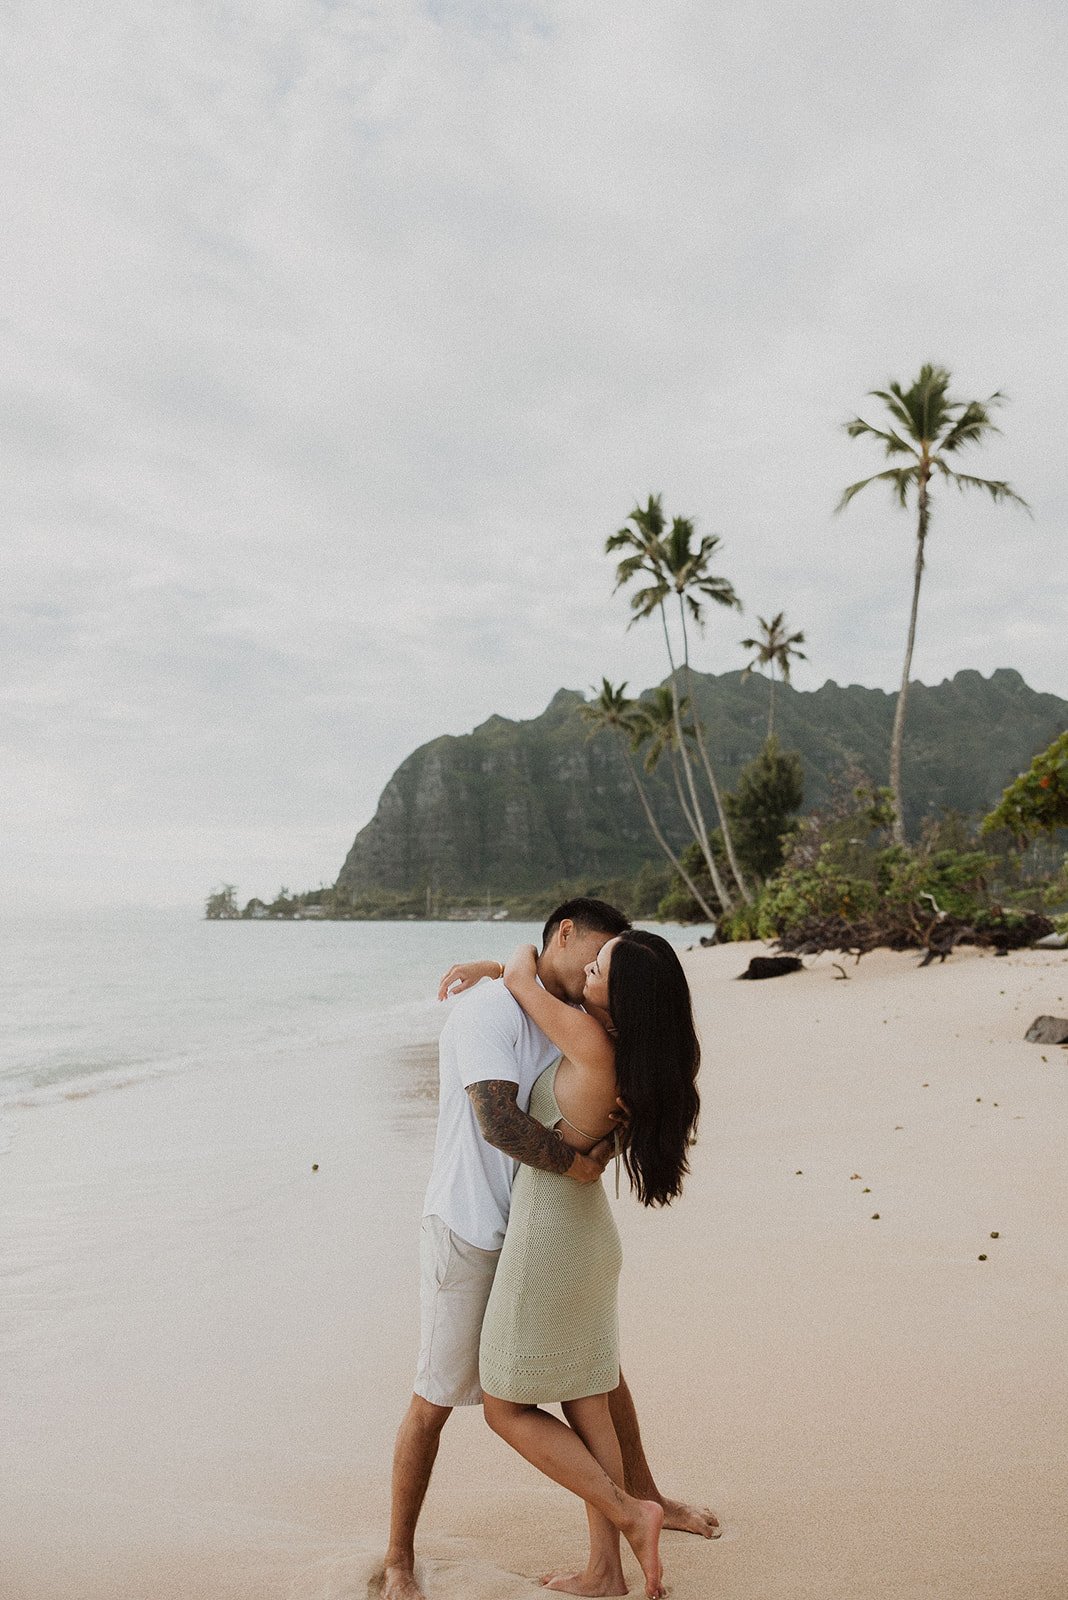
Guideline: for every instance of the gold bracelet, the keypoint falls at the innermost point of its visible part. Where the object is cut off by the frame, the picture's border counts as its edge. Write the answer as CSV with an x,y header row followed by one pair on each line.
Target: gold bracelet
x,y
501,973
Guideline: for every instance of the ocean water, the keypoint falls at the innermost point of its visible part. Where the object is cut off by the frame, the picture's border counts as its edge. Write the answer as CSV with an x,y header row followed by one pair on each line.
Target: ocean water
x,y
92,1001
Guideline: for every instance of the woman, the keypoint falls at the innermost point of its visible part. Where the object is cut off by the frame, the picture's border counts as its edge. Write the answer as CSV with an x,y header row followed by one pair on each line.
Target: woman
x,y
550,1331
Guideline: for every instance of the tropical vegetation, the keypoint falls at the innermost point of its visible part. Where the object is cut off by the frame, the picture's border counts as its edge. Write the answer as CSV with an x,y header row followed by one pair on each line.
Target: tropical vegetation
x,y
657,722
665,562
1037,802
221,904
846,885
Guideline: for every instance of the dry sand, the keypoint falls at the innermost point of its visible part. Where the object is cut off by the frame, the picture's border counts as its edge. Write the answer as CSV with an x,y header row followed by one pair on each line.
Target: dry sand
x,y
206,1346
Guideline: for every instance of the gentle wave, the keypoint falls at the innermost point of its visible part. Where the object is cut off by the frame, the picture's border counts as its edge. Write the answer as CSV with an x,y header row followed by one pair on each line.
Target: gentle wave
x,y
98,1001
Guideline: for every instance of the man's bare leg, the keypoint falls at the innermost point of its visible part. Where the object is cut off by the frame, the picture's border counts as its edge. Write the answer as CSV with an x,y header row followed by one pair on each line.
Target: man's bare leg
x,y
638,1478
413,1461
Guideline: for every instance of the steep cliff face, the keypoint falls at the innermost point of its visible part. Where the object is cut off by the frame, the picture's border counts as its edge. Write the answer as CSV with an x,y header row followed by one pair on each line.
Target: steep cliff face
x,y
515,806
512,805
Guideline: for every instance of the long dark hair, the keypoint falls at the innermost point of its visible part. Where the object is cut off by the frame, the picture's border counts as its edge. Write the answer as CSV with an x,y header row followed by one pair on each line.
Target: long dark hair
x,y
657,1057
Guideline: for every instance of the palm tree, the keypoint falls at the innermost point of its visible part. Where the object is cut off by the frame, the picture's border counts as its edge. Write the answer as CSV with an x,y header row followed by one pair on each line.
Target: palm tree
x,y
647,561
928,425
774,648
611,709
693,584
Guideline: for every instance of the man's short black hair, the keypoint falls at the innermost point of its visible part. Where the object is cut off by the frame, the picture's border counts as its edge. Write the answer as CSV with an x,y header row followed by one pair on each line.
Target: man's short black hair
x,y
592,916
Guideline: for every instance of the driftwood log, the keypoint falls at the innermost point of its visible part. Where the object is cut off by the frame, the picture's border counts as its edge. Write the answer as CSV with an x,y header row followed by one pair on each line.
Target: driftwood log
x,y
909,927
771,966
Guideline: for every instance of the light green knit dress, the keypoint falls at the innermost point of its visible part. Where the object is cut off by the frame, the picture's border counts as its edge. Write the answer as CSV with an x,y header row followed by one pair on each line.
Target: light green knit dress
x,y
550,1331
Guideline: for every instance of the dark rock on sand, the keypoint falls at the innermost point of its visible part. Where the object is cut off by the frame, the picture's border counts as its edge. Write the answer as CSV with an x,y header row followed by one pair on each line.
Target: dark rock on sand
x,y
772,966
1048,1030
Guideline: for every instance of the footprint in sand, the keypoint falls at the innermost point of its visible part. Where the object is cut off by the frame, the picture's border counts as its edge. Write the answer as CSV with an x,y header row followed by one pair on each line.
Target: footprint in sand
x,y
464,1577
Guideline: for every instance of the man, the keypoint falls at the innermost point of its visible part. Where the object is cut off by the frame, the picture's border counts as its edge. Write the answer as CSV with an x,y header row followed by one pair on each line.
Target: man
x,y
490,1056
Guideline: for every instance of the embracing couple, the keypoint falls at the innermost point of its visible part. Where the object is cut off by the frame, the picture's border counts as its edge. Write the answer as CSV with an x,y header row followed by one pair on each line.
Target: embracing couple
x,y
518,1278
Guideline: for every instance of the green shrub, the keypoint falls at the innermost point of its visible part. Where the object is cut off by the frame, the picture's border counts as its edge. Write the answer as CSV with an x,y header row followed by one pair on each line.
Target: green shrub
x,y
743,923
824,891
1037,802
845,886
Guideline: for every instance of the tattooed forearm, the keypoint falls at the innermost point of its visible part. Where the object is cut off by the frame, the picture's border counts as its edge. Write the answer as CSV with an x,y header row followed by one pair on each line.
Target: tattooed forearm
x,y
507,1128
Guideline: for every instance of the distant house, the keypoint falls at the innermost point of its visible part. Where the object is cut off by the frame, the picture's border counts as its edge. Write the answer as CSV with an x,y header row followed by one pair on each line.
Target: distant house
x,y
312,911
256,909
476,914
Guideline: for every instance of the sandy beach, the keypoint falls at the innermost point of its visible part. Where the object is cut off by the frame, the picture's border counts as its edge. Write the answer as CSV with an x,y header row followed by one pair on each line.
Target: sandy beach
x,y
208,1344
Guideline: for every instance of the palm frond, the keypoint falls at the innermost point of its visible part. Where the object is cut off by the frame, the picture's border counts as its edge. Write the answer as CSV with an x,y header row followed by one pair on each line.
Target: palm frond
x,y
620,540
973,422
893,443
721,591
645,601
633,564
894,401
649,519
708,547
899,477
994,487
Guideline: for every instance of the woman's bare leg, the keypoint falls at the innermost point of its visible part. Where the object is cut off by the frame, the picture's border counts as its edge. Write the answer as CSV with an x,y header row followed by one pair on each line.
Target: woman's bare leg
x,y
603,1575
559,1452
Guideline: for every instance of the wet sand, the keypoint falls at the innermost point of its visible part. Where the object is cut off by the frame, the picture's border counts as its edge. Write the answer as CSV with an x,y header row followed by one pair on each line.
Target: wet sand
x,y
206,1345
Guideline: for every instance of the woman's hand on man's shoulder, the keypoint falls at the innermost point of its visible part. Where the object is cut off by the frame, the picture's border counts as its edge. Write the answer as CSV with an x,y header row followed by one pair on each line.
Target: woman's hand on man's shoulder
x,y
463,975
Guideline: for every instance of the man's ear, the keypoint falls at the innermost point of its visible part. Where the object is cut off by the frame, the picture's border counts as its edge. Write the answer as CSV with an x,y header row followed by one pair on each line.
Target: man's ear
x,y
565,930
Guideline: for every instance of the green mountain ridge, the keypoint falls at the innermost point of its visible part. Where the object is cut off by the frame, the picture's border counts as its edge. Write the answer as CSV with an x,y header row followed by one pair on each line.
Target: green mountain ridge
x,y
514,806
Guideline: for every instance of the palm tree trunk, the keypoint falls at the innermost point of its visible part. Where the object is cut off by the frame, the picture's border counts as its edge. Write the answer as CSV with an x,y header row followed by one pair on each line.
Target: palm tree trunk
x,y
771,706
665,847
898,736
728,842
691,821
702,836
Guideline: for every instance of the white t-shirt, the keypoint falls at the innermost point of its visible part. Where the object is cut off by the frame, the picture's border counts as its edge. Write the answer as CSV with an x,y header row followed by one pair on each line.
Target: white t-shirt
x,y
488,1036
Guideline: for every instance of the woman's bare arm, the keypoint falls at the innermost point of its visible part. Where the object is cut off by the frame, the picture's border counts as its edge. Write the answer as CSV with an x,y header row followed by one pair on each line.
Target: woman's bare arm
x,y
575,1034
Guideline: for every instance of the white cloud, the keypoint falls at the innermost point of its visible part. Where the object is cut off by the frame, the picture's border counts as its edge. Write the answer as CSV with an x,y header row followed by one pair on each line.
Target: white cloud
x,y
337,336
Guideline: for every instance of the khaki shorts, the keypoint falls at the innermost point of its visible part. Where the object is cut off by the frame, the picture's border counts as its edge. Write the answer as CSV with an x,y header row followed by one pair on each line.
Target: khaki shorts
x,y
454,1285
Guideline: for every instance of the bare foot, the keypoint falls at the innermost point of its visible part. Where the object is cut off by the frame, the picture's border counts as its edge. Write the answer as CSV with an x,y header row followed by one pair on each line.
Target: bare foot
x,y
684,1518
587,1582
643,1536
398,1583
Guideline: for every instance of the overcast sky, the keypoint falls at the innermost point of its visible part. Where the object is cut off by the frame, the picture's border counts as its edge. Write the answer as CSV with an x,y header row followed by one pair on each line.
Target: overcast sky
x,y
337,336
